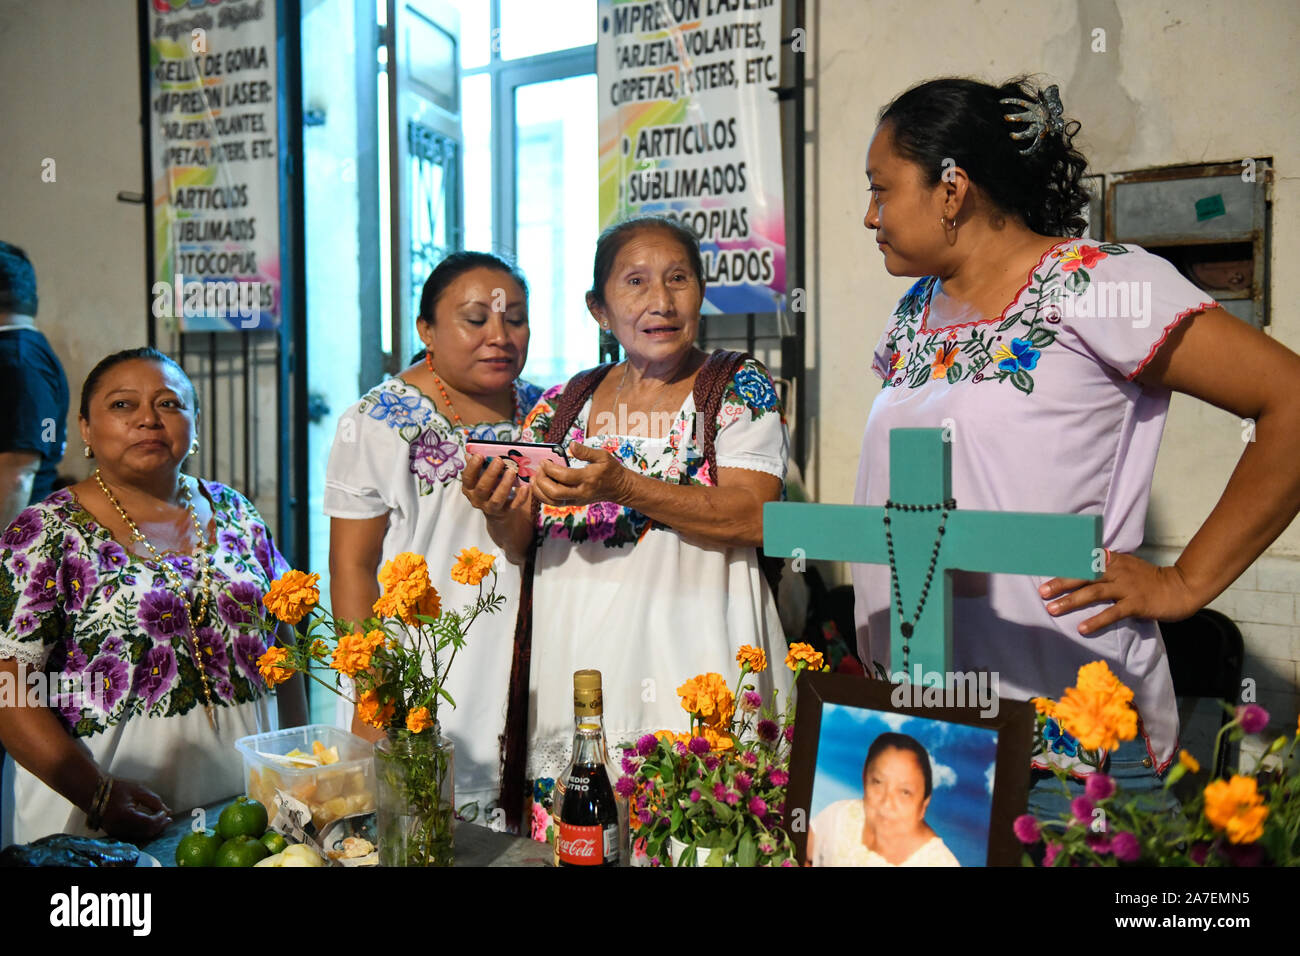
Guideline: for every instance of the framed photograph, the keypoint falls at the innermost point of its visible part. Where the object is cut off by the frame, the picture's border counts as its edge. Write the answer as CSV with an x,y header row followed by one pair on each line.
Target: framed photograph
x,y
875,783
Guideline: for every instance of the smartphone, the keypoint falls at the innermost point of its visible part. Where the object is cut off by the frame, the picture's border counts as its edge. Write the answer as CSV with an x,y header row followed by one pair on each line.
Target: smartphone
x,y
527,456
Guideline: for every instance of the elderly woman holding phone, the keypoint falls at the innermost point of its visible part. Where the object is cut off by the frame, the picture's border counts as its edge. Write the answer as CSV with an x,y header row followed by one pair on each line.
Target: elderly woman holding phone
x,y
392,483
645,549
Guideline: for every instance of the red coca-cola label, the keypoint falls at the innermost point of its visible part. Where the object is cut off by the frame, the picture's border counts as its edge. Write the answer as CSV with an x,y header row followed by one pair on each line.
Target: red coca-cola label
x,y
582,846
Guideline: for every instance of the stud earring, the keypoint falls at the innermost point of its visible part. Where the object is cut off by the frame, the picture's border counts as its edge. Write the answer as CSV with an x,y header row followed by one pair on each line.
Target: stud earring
x,y
87,453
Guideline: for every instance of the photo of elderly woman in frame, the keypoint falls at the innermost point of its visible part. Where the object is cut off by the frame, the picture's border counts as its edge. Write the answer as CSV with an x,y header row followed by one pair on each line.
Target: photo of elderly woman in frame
x,y
875,784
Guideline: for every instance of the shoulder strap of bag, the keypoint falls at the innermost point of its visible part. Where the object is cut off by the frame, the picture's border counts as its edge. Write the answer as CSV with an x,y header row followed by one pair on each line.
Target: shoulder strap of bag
x,y
574,396
710,385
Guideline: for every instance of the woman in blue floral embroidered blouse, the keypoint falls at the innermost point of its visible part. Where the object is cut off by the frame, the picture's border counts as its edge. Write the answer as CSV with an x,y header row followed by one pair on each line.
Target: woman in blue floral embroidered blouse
x,y
647,567
136,596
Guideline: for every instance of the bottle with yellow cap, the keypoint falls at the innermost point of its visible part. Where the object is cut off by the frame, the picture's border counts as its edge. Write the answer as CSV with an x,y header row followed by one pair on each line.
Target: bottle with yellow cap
x,y
588,832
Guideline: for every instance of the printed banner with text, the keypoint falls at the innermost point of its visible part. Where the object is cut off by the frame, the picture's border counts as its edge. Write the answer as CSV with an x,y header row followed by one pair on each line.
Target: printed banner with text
x,y
214,163
690,128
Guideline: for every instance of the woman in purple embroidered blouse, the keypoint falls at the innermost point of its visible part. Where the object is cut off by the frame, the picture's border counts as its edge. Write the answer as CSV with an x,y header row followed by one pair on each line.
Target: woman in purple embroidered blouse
x,y
1052,360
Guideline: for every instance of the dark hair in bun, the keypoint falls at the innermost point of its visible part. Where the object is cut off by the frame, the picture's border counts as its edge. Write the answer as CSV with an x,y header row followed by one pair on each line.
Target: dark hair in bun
x,y
963,120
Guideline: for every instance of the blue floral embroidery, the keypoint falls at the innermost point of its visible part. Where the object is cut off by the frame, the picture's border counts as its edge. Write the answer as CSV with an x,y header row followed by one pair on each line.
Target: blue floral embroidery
x,y
483,432
753,386
1059,740
398,410
1023,356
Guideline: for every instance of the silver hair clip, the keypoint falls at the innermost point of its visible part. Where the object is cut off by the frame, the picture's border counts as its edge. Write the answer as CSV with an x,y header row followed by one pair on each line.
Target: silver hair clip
x,y
1045,115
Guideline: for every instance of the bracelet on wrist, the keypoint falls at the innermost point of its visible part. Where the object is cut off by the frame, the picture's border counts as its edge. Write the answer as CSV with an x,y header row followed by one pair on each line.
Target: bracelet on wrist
x,y
103,789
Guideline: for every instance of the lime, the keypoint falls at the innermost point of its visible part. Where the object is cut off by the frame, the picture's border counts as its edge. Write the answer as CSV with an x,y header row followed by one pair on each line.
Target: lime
x,y
197,848
244,817
274,842
241,851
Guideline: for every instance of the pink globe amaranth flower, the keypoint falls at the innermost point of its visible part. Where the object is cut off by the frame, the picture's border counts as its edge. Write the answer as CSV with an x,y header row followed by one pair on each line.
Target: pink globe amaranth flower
x,y
1125,846
1026,829
766,848
757,806
681,748
768,731
625,787
1098,843
750,701
1099,787
1253,717
1081,808
645,816
699,745
749,758
646,744
789,734
744,781
719,791
1053,851
732,798
787,862
654,861
695,796
778,777
711,762
1244,854
629,765
1199,853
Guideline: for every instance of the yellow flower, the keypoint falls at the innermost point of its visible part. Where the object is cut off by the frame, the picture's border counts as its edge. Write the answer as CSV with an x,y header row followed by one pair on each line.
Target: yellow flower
x,y
754,657
292,595
804,653
1188,761
407,590
1236,807
418,720
353,653
708,696
369,711
1097,711
271,666
471,566
1045,706
319,648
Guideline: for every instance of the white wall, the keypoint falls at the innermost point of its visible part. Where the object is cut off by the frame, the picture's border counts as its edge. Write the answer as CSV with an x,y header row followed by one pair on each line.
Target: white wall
x,y
69,72
1194,82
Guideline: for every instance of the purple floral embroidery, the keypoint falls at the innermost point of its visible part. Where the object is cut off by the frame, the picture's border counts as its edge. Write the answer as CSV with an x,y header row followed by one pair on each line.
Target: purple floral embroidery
x,y
109,678
238,604
76,580
182,563
248,648
231,541
601,516
23,531
59,497
154,674
262,552
111,556
434,458
43,591
24,623
70,711
20,566
162,614
76,662
212,648
113,645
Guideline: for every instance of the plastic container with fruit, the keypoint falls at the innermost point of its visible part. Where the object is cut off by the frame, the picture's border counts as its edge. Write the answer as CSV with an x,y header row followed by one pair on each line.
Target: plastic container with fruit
x,y
330,770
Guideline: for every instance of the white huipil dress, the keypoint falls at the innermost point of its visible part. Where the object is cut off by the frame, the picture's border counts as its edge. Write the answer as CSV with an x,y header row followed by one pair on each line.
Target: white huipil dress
x,y
395,453
635,600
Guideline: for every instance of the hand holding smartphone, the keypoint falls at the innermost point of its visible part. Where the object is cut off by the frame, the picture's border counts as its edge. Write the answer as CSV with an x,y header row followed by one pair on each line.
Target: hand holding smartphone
x,y
527,456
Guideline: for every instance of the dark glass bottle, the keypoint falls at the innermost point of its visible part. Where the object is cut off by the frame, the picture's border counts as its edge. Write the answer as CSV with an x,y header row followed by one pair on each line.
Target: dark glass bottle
x,y
589,820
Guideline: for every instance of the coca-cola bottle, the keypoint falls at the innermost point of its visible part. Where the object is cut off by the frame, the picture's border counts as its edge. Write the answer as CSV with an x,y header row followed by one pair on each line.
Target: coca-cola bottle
x,y
588,815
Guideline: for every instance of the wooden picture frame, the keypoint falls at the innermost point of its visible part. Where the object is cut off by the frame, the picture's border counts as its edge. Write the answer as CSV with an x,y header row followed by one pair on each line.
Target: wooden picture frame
x,y
1003,739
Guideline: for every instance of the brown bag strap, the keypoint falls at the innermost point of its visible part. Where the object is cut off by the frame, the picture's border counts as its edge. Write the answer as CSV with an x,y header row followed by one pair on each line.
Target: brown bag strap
x,y
514,742
710,385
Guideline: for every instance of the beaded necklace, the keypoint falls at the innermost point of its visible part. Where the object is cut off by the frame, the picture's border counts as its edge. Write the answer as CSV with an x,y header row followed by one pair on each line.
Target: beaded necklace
x,y
907,627
196,611
455,418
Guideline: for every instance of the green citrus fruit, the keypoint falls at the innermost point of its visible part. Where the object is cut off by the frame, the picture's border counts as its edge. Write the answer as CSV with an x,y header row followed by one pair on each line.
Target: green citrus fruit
x,y
241,851
244,817
197,848
274,842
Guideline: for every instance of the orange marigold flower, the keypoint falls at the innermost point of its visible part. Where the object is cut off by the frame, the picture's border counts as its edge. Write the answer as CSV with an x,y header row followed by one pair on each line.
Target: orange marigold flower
x,y
1045,706
370,712
1188,761
471,566
418,720
319,648
754,657
1097,712
1236,807
721,742
708,696
803,653
353,653
272,666
292,595
407,590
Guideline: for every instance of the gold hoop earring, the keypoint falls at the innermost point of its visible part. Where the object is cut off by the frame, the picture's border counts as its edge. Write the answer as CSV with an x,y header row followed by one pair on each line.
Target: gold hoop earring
x,y
946,225
87,453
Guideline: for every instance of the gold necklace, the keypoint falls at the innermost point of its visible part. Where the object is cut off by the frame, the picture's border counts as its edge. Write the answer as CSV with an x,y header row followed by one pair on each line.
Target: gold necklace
x,y
203,581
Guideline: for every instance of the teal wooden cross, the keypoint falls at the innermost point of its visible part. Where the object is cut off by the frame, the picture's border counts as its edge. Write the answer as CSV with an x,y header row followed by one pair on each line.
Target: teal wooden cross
x,y
920,473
